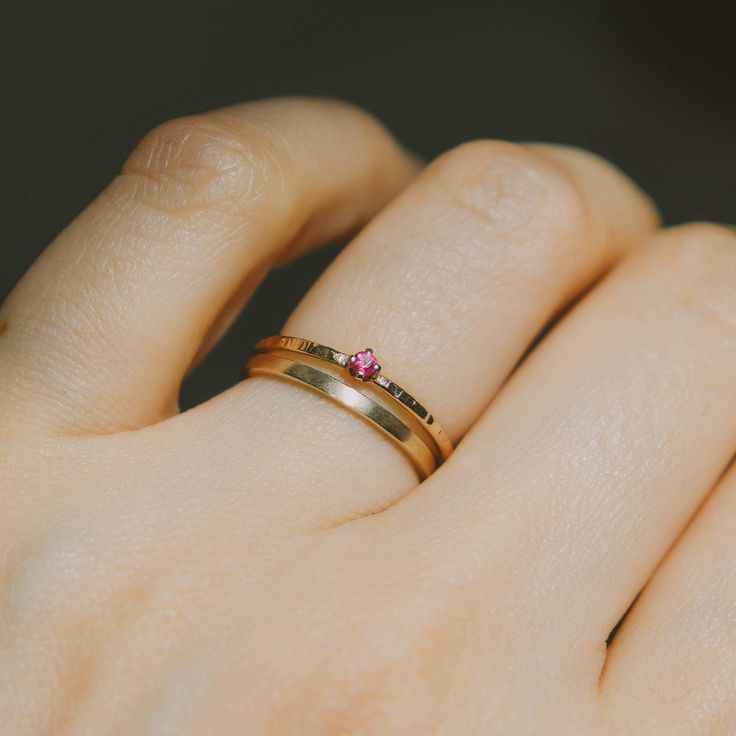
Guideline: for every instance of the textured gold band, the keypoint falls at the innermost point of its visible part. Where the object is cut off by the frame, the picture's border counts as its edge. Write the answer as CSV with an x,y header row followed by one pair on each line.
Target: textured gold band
x,y
389,388
421,455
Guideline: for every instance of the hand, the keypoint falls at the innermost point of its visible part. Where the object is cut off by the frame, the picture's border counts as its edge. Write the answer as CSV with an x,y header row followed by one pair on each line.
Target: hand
x,y
267,563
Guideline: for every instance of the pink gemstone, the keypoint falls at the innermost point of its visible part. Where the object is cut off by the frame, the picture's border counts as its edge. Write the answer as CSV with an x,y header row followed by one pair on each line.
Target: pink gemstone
x,y
364,365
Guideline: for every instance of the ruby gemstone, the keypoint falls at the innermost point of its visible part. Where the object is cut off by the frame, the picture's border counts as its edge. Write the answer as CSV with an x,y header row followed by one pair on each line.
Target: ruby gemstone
x,y
363,365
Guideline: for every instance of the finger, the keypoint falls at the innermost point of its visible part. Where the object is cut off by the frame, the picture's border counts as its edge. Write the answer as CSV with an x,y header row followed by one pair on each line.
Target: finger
x,y
99,333
449,285
671,667
596,454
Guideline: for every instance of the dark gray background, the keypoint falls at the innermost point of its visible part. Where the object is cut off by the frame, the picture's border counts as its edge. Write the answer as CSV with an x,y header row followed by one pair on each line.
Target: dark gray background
x,y
649,85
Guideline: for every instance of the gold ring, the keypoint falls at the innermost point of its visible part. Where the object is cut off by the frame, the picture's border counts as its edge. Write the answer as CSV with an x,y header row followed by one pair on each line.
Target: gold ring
x,y
418,451
364,366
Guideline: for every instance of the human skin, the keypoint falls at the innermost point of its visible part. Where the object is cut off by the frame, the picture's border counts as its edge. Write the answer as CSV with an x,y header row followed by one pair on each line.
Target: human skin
x,y
266,563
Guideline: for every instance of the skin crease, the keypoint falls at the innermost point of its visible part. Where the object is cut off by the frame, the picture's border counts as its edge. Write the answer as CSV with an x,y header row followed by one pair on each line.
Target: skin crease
x,y
267,564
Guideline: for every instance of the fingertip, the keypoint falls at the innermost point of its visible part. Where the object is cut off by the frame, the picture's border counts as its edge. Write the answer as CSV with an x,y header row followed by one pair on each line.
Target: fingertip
x,y
629,212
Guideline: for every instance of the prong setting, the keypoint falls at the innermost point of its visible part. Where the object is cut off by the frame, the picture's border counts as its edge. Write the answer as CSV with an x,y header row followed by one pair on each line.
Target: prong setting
x,y
363,365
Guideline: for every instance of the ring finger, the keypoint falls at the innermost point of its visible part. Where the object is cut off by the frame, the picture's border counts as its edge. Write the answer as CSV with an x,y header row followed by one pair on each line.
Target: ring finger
x,y
450,285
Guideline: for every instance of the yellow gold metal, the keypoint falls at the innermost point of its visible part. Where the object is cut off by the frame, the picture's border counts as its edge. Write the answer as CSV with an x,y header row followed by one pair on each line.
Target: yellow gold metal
x,y
420,454
389,388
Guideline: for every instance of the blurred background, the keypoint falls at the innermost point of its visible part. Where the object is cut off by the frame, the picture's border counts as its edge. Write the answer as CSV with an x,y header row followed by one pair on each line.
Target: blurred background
x,y
649,85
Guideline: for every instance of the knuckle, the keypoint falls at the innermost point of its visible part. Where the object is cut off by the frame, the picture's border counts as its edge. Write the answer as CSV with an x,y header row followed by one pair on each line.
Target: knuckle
x,y
705,241
699,261
201,162
369,702
381,671
514,191
385,697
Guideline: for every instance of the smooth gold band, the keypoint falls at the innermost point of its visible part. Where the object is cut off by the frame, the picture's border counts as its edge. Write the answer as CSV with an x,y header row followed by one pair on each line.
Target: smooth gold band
x,y
389,388
420,454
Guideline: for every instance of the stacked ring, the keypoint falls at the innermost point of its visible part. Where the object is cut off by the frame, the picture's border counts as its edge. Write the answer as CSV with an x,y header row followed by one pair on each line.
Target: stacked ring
x,y
403,420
